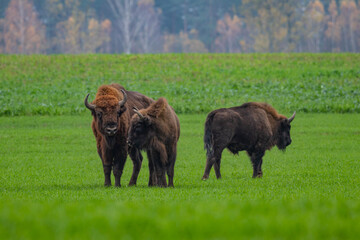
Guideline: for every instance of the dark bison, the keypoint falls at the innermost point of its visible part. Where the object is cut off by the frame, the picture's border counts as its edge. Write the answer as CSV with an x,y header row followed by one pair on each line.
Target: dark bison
x,y
253,127
111,117
156,129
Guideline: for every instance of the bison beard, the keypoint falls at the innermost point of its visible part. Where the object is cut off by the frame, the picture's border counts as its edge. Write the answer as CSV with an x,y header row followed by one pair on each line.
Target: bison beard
x,y
253,127
156,129
110,125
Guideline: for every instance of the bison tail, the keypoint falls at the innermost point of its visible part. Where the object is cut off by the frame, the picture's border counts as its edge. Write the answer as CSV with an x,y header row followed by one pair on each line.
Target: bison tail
x,y
208,137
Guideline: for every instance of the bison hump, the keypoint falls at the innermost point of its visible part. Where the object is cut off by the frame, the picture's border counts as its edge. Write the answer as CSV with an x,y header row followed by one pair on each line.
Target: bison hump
x,y
106,90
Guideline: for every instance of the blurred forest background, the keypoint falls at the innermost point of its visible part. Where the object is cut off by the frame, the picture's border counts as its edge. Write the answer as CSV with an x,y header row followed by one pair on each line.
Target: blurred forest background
x,y
155,26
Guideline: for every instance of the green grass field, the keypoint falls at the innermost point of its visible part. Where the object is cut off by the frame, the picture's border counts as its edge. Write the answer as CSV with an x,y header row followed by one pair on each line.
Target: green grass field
x,y
52,186
193,83
51,178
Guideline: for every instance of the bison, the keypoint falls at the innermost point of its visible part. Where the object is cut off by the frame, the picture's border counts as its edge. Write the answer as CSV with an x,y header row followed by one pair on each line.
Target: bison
x,y
253,127
111,117
156,129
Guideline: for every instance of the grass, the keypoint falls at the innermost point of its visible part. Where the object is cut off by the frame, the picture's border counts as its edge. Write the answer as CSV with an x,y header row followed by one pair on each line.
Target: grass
x,y
194,83
51,185
51,180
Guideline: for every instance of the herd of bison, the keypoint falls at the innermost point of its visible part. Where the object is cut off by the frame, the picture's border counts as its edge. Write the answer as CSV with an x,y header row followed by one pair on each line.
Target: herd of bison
x,y
126,122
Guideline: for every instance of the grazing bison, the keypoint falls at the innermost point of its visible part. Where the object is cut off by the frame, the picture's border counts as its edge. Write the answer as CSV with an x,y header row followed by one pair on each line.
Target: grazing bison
x,y
111,118
157,130
253,127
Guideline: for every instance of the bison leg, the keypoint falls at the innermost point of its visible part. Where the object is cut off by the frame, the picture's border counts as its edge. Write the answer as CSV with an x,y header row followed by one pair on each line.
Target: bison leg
x,y
136,158
260,173
152,175
118,168
160,174
170,167
170,173
107,173
217,168
159,157
159,162
256,160
161,178
107,158
215,158
107,164
209,163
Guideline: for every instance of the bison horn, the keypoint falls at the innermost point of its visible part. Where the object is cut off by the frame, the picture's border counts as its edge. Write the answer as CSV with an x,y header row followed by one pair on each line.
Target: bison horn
x,y
292,117
138,113
122,102
89,105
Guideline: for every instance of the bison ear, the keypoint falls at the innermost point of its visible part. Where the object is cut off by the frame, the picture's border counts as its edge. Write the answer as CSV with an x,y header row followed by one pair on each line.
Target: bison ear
x,y
285,122
158,107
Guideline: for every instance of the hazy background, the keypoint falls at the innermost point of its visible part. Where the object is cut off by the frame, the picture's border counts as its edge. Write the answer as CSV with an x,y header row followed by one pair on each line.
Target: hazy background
x,y
155,26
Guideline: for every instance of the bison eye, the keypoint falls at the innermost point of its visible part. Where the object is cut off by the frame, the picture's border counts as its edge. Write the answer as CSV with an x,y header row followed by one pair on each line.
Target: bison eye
x,y
138,128
99,115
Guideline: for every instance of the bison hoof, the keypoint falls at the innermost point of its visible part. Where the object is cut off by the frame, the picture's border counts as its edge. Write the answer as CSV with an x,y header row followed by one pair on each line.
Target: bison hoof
x,y
107,184
205,178
152,184
132,183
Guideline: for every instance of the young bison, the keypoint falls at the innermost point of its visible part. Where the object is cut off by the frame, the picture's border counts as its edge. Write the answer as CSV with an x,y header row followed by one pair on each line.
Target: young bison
x,y
111,117
253,127
157,130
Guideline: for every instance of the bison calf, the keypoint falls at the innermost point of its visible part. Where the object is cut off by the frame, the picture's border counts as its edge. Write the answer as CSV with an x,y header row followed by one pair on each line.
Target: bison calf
x,y
156,129
253,127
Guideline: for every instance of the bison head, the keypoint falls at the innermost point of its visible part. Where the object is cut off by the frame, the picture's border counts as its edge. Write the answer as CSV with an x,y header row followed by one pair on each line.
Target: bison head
x,y
107,111
144,124
140,131
284,138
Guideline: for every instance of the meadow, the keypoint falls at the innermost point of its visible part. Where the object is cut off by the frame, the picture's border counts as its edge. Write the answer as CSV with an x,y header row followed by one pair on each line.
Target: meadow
x,y
51,180
193,83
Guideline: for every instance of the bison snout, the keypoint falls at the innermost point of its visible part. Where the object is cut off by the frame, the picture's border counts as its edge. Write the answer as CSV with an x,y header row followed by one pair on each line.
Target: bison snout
x,y
110,131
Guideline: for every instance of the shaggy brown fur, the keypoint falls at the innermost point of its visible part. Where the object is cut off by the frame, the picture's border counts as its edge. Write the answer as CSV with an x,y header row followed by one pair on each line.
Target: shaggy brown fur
x,y
253,127
267,108
110,127
157,130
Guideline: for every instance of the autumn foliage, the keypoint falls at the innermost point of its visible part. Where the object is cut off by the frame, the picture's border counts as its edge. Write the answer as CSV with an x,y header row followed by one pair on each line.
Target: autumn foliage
x,y
23,33
231,33
139,26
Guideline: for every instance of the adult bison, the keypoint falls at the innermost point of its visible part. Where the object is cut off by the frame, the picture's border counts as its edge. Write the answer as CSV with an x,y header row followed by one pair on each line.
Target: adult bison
x,y
156,129
111,117
253,127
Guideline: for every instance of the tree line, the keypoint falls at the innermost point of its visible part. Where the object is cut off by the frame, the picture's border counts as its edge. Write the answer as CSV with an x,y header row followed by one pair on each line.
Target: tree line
x,y
153,26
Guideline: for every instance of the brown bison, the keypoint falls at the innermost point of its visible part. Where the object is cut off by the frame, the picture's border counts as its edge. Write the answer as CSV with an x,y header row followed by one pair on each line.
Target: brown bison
x,y
111,117
156,129
253,127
